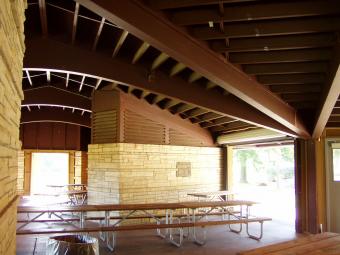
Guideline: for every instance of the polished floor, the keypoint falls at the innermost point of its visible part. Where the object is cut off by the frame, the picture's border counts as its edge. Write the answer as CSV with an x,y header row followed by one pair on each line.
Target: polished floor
x,y
219,241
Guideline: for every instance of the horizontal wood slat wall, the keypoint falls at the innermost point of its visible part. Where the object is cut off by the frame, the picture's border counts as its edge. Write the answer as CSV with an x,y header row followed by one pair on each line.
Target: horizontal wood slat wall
x,y
104,127
138,129
178,138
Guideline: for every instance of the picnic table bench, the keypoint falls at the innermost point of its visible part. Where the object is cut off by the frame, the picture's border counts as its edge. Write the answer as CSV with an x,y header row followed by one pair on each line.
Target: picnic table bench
x,y
168,221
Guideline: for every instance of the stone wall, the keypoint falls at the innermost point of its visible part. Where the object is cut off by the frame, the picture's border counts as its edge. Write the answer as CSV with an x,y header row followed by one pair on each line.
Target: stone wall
x,y
11,56
141,173
21,173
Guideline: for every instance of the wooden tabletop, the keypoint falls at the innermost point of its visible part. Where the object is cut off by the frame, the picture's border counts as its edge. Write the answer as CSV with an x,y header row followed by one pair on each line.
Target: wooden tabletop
x,y
212,193
320,244
129,207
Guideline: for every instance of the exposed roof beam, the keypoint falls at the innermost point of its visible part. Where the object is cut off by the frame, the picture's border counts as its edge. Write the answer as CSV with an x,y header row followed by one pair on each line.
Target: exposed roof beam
x,y
301,97
170,4
98,83
207,117
267,43
159,60
194,77
147,25
177,68
100,28
140,52
43,17
120,42
217,122
59,56
233,126
48,76
55,96
286,68
334,119
170,104
52,114
82,83
210,85
28,77
296,88
67,79
281,56
273,79
183,108
75,22
144,93
157,99
264,28
255,12
195,112
328,104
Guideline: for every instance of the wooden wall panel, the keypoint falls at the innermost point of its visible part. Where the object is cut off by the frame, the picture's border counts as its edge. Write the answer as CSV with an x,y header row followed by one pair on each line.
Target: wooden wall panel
x,y
178,138
104,127
53,136
138,129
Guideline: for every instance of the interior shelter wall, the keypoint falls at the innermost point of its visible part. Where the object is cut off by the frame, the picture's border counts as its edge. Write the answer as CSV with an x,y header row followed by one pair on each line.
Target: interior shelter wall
x,y
11,62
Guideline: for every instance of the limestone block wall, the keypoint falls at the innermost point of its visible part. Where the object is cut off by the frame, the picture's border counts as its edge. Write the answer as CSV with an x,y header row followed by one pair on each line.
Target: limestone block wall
x,y
141,173
21,172
11,56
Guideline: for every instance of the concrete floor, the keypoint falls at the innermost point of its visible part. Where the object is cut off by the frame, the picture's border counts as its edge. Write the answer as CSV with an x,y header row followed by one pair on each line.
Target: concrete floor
x,y
219,241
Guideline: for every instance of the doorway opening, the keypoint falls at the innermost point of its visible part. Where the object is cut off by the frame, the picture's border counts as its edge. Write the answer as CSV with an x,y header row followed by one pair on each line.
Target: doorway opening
x,y
266,175
48,169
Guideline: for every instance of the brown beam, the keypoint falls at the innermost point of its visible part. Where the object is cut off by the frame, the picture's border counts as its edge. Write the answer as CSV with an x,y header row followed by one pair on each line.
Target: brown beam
x,y
53,95
328,105
75,22
43,17
267,43
287,68
281,56
100,28
301,97
207,117
51,114
195,112
265,28
233,126
120,42
217,122
255,12
273,79
160,33
170,4
54,55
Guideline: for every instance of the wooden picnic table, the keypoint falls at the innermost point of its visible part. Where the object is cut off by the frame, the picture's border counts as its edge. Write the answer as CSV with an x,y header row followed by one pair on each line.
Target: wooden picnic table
x,y
222,195
320,244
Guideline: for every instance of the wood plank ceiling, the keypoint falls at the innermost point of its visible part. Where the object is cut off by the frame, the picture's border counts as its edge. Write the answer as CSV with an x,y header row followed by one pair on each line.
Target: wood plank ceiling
x,y
286,45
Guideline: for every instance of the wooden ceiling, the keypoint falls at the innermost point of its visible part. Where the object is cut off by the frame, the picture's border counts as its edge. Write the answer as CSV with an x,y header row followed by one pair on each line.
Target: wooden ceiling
x,y
288,46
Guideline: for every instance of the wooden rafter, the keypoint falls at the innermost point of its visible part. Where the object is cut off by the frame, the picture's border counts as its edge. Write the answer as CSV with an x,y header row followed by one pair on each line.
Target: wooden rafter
x,y
82,83
48,76
183,108
46,52
170,4
194,77
67,79
120,42
29,77
98,84
177,68
140,52
43,17
291,78
161,58
327,106
207,117
147,25
217,122
100,28
75,22
195,112
296,88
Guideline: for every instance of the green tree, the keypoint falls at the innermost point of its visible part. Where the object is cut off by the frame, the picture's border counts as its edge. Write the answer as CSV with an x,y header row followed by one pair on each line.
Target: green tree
x,y
243,156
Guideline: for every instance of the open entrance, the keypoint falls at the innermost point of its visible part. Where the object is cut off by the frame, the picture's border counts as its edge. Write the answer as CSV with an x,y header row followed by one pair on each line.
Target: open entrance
x,y
48,169
266,175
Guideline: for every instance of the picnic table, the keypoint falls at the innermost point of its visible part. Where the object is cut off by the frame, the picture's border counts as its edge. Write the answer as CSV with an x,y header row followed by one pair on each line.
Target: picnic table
x,y
222,195
170,220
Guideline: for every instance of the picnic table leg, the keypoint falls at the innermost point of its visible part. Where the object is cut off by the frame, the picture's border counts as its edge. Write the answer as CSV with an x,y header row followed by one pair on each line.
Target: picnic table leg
x,y
159,232
234,230
171,236
196,240
109,245
253,236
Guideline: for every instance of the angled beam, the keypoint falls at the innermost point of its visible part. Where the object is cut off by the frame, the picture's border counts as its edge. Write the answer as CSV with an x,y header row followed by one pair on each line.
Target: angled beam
x,y
183,108
55,96
75,22
281,56
170,4
195,112
120,42
286,68
58,56
82,83
255,12
218,122
67,79
144,93
177,68
272,79
159,60
233,126
140,52
28,77
43,17
52,114
48,76
98,83
170,104
210,85
194,77
328,104
157,99
96,39
264,28
156,30
285,42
